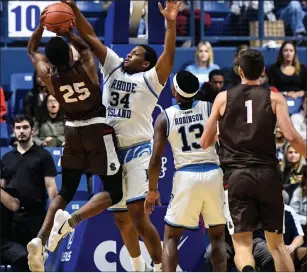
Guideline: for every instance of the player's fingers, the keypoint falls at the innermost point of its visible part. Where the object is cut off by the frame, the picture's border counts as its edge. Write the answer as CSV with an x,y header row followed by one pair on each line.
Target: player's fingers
x,y
160,6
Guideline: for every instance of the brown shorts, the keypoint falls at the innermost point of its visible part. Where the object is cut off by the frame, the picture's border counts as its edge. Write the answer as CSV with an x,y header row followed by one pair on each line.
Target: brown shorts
x,y
254,199
91,147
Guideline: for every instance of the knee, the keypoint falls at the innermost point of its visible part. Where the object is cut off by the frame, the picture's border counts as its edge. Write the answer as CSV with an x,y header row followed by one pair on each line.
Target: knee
x,y
295,5
123,224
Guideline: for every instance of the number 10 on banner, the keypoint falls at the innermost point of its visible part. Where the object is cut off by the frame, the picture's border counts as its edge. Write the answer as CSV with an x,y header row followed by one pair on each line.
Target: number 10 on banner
x,y
23,17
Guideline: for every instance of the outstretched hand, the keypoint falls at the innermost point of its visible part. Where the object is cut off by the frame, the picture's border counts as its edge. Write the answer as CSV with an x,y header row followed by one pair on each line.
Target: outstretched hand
x,y
171,9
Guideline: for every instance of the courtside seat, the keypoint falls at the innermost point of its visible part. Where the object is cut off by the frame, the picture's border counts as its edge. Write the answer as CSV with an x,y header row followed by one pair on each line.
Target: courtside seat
x,y
56,153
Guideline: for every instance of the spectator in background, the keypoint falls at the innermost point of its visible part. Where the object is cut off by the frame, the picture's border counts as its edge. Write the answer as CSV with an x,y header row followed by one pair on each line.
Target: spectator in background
x,y
204,62
3,108
299,120
292,169
231,75
287,74
280,143
35,97
30,170
209,90
264,81
292,13
12,252
49,126
299,199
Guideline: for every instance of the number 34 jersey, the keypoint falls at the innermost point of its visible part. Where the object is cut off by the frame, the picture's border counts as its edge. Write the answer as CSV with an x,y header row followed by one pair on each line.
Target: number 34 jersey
x,y
184,129
78,96
130,100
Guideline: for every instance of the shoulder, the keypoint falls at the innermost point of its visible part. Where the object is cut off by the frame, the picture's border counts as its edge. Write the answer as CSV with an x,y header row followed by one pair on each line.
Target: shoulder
x,y
214,66
5,158
303,68
191,67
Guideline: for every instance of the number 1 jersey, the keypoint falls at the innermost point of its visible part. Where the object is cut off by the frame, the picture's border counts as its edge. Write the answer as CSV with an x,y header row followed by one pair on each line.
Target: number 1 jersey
x,y
247,128
78,96
130,100
185,125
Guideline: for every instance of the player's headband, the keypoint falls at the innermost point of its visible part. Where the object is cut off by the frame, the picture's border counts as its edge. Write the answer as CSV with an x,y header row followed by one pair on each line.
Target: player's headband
x,y
180,91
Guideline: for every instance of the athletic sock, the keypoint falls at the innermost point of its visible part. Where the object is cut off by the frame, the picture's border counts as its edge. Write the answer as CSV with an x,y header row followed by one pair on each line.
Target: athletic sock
x,y
248,268
158,267
74,220
138,264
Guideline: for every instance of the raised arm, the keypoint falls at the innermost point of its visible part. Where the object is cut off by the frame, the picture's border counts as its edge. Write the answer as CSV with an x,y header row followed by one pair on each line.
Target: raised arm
x,y
208,137
155,163
87,32
285,124
165,63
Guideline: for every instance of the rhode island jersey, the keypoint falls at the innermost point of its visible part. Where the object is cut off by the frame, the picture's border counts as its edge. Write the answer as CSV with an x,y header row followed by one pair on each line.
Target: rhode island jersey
x,y
184,130
130,101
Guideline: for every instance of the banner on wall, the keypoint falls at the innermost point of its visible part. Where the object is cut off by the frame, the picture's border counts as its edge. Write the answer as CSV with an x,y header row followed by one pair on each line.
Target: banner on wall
x,y
23,18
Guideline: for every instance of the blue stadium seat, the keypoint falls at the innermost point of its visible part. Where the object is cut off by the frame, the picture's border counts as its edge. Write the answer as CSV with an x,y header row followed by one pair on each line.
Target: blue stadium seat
x,y
217,7
89,6
4,134
74,205
294,105
56,153
21,83
4,150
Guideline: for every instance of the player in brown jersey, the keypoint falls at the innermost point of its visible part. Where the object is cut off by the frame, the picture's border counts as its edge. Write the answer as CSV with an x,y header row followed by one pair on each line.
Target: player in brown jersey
x,y
247,116
90,144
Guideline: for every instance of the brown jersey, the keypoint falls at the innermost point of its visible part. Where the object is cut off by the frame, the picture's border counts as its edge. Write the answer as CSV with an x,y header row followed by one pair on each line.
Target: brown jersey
x,y
247,128
78,96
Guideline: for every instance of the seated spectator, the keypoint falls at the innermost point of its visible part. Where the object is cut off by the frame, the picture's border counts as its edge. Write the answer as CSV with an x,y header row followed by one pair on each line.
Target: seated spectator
x,y
287,74
264,81
31,171
294,238
209,90
292,169
280,143
299,120
3,108
299,199
204,62
12,253
49,127
35,97
292,13
231,75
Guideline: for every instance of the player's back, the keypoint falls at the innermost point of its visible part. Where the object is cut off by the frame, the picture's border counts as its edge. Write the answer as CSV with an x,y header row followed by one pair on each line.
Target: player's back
x,y
79,97
247,128
185,125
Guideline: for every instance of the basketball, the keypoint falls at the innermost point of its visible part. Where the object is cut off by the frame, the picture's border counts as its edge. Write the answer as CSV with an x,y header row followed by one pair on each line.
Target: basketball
x,y
59,17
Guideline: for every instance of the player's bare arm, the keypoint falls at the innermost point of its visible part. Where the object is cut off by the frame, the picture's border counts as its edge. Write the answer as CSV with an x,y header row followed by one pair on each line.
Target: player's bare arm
x,y
208,137
165,63
155,163
87,32
86,55
280,107
39,61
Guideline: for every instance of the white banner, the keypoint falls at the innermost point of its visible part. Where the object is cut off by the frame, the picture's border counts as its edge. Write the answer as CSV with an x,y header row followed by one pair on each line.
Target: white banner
x,y
23,18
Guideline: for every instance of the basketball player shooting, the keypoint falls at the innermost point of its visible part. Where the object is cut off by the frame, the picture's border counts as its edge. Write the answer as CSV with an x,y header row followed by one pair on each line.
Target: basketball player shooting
x,y
90,143
131,91
247,116
198,181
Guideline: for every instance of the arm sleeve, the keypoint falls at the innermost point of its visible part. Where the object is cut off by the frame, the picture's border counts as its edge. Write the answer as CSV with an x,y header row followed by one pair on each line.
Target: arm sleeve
x,y
152,81
111,62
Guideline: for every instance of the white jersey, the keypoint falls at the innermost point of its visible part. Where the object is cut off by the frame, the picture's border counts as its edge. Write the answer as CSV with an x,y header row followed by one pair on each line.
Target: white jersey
x,y
184,130
130,100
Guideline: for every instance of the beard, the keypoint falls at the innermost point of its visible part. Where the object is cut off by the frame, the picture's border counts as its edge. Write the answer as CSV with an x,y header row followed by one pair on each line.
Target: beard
x,y
24,139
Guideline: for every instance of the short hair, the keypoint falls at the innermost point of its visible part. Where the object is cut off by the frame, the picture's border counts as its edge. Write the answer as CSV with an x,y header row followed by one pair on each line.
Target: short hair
x,y
150,56
216,72
251,62
187,82
57,51
21,118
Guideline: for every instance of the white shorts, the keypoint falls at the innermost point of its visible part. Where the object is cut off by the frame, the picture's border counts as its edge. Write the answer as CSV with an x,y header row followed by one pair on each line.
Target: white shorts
x,y
135,176
196,193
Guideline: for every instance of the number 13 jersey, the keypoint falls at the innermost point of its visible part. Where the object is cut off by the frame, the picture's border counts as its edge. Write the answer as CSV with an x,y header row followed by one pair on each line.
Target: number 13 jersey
x,y
130,100
184,129
247,128
78,96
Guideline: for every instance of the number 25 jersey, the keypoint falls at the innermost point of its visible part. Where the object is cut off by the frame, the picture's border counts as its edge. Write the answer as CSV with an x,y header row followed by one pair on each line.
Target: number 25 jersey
x,y
130,100
184,129
78,96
